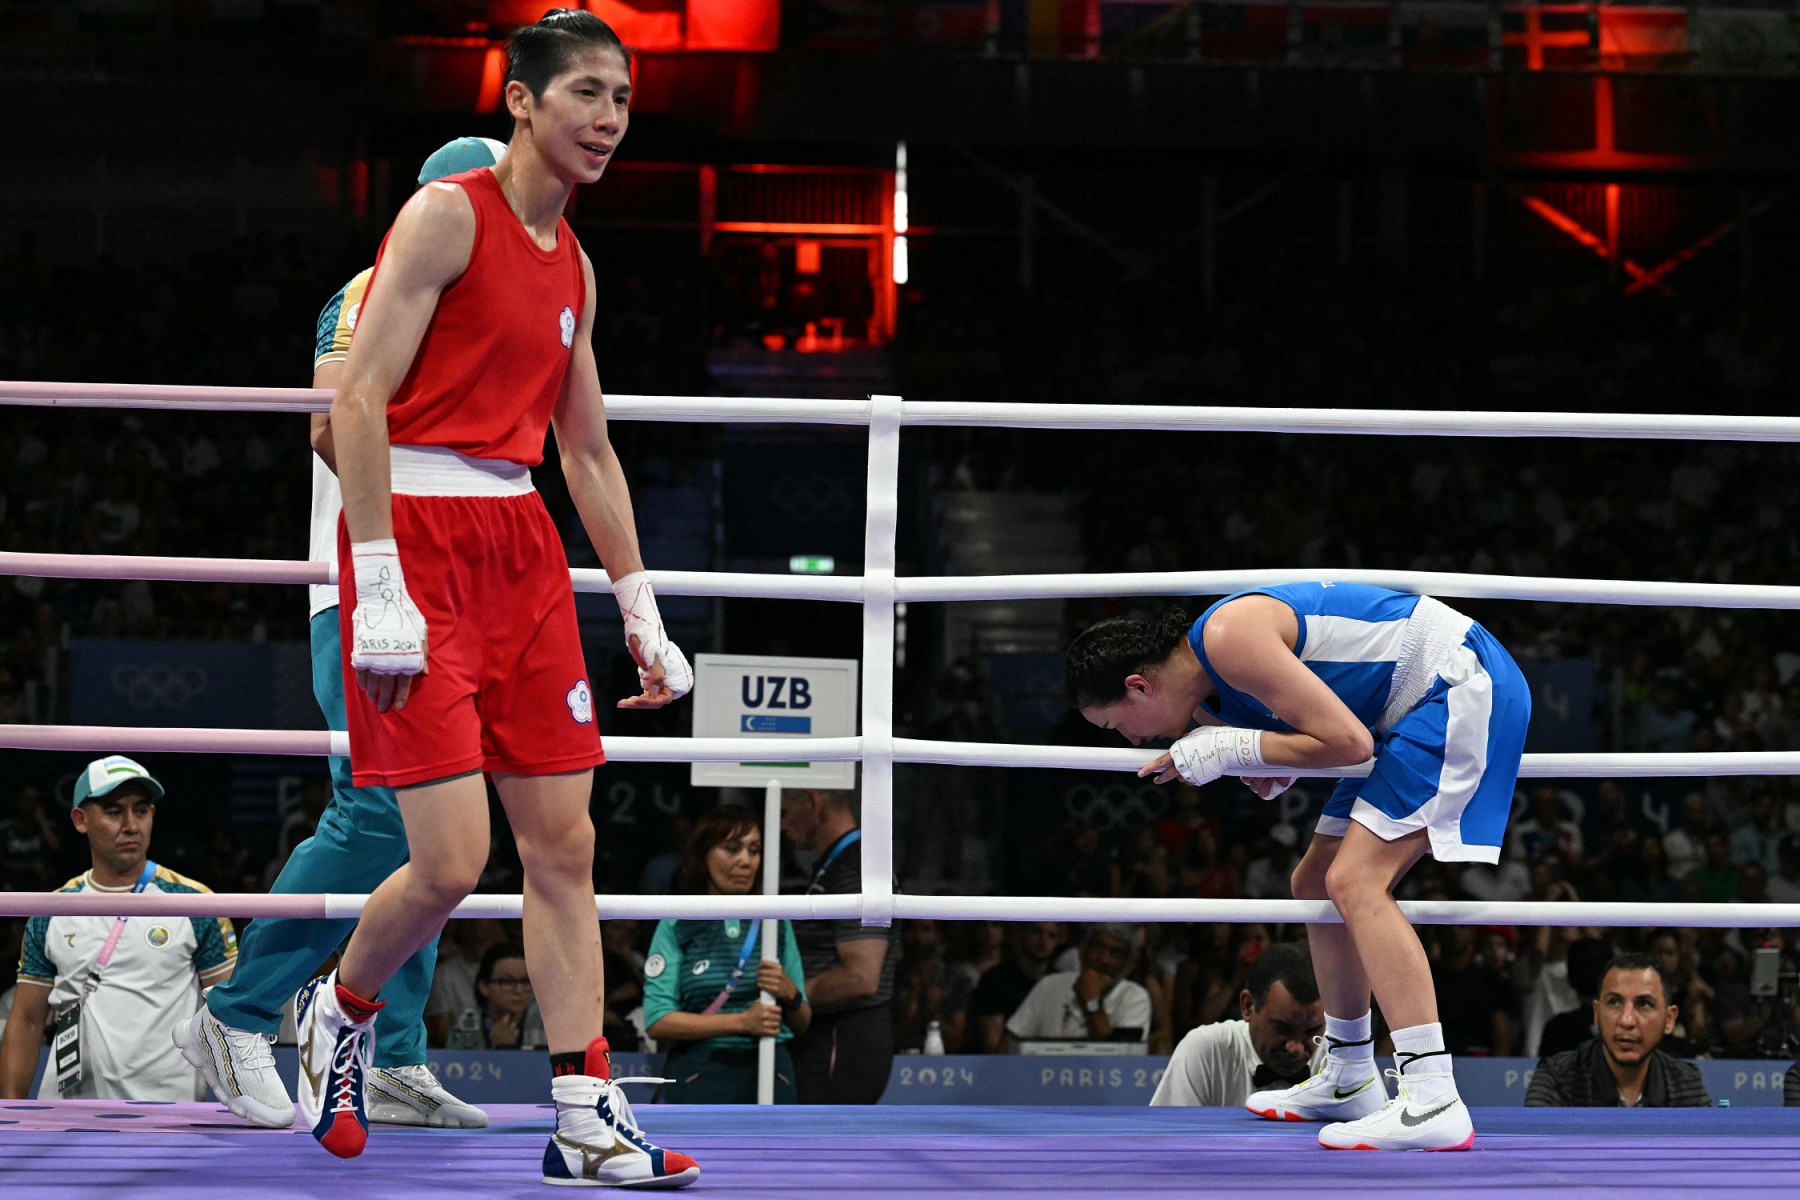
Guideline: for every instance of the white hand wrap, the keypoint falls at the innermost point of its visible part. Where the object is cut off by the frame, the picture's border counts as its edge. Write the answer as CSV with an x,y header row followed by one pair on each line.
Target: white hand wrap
x,y
1279,788
637,604
387,630
1214,750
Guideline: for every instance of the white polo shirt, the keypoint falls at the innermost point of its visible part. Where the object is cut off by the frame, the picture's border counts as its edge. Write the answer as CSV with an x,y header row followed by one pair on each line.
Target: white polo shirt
x,y
1213,1065
1051,1009
154,980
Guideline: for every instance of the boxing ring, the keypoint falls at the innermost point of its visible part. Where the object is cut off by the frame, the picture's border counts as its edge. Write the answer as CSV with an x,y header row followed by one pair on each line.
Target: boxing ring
x,y
61,1148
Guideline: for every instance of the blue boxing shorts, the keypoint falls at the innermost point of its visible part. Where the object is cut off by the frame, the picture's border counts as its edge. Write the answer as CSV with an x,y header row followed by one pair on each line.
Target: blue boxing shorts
x,y
1449,764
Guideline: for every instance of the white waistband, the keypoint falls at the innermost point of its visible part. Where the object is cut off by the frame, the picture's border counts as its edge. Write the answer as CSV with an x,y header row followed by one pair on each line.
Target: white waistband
x,y
1432,634
438,471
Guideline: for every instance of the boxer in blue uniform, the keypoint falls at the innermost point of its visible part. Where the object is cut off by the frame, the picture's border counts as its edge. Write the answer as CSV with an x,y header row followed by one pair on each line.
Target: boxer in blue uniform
x,y
1319,675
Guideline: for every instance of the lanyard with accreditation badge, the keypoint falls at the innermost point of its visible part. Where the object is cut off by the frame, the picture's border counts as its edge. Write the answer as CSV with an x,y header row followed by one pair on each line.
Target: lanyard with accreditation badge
x,y
844,843
65,1046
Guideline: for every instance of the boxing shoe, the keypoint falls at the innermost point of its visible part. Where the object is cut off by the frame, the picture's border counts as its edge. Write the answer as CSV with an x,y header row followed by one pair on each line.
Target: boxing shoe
x,y
336,1033
1406,1123
598,1143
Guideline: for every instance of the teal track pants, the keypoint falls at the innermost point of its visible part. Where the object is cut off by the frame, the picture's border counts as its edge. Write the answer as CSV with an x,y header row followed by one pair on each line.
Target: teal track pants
x,y
360,842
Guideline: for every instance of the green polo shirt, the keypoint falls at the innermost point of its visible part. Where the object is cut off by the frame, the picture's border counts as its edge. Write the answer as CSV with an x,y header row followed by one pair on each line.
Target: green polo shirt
x,y
690,962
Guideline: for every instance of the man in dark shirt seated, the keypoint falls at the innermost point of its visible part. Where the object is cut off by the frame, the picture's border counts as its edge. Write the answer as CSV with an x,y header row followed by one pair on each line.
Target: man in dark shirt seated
x,y
1004,986
1622,1067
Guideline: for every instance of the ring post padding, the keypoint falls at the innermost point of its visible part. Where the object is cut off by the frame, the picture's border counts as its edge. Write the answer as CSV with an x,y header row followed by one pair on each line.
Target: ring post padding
x,y
878,661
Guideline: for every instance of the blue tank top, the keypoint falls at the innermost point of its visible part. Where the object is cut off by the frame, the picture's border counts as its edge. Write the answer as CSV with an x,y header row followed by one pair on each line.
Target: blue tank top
x,y
1351,635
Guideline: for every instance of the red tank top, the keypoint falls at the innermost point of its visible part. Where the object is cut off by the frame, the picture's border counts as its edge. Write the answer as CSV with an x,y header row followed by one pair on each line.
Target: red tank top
x,y
494,358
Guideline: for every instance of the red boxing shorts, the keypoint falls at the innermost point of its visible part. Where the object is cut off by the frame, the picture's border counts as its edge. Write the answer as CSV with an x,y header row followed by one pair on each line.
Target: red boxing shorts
x,y
505,687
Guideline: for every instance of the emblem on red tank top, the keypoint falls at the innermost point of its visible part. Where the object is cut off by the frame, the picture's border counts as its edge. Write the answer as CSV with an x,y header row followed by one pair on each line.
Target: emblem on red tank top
x,y
567,322
581,703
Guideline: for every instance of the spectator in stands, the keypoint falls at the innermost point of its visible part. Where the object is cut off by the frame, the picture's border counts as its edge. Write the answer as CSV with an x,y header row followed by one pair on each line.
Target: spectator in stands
x,y
974,948
1547,832
1677,953
1717,875
1588,960
29,842
1096,1003
921,986
1665,724
1147,971
1623,1066
1273,1044
509,1013
624,975
703,979
1211,975
1685,845
1004,986
1760,841
1476,1001
453,1009
1647,880
1784,884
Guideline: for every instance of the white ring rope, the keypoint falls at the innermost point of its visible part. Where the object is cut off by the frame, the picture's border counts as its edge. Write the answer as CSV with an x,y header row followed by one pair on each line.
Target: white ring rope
x,y
854,589
1172,418
126,739
905,906
879,590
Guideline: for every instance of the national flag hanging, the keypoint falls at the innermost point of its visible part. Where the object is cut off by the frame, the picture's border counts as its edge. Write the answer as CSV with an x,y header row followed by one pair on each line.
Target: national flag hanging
x,y
1248,32
941,23
1643,39
1435,33
1548,36
752,26
1342,33
1739,41
1063,28
1147,28
640,24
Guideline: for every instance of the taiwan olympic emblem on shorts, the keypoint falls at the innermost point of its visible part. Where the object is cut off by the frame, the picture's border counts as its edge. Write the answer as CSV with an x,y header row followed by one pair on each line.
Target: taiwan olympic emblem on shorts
x,y
581,703
567,322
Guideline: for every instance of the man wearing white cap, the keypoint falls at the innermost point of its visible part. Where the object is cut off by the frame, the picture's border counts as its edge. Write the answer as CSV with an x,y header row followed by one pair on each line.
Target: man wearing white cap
x,y
106,980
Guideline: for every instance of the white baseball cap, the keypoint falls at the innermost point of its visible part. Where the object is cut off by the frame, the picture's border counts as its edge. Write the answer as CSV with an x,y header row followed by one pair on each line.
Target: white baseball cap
x,y
104,774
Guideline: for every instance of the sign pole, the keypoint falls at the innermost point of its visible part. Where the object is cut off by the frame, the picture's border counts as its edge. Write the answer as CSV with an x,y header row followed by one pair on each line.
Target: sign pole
x,y
771,946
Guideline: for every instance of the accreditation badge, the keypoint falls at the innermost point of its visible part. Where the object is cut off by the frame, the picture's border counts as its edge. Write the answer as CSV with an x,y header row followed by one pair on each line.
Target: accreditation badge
x,y
65,1049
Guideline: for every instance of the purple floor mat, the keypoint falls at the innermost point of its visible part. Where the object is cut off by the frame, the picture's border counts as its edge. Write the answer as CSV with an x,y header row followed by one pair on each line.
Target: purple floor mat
x,y
200,1152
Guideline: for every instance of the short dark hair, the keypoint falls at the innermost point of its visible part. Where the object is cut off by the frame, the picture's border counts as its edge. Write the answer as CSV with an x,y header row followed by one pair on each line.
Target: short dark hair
x,y
1634,961
536,54
723,823
1097,662
1286,963
492,956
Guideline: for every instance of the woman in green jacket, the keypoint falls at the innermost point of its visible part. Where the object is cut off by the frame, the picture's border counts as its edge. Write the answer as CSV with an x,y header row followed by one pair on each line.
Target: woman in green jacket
x,y
702,978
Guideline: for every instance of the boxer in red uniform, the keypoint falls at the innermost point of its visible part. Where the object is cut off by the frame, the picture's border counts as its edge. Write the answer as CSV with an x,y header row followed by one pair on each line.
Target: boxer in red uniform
x,y
458,619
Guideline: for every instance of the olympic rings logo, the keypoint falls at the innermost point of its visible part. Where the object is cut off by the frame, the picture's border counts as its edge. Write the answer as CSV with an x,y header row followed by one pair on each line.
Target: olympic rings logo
x,y
811,497
158,685
1115,805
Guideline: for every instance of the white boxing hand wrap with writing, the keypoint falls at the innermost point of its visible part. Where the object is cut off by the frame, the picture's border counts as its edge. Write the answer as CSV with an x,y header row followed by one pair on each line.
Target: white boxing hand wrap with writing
x,y
1215,750
387,630
637,604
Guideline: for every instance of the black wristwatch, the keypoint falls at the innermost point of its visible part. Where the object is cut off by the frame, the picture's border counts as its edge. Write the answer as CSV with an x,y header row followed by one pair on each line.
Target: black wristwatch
x,y
790,1005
